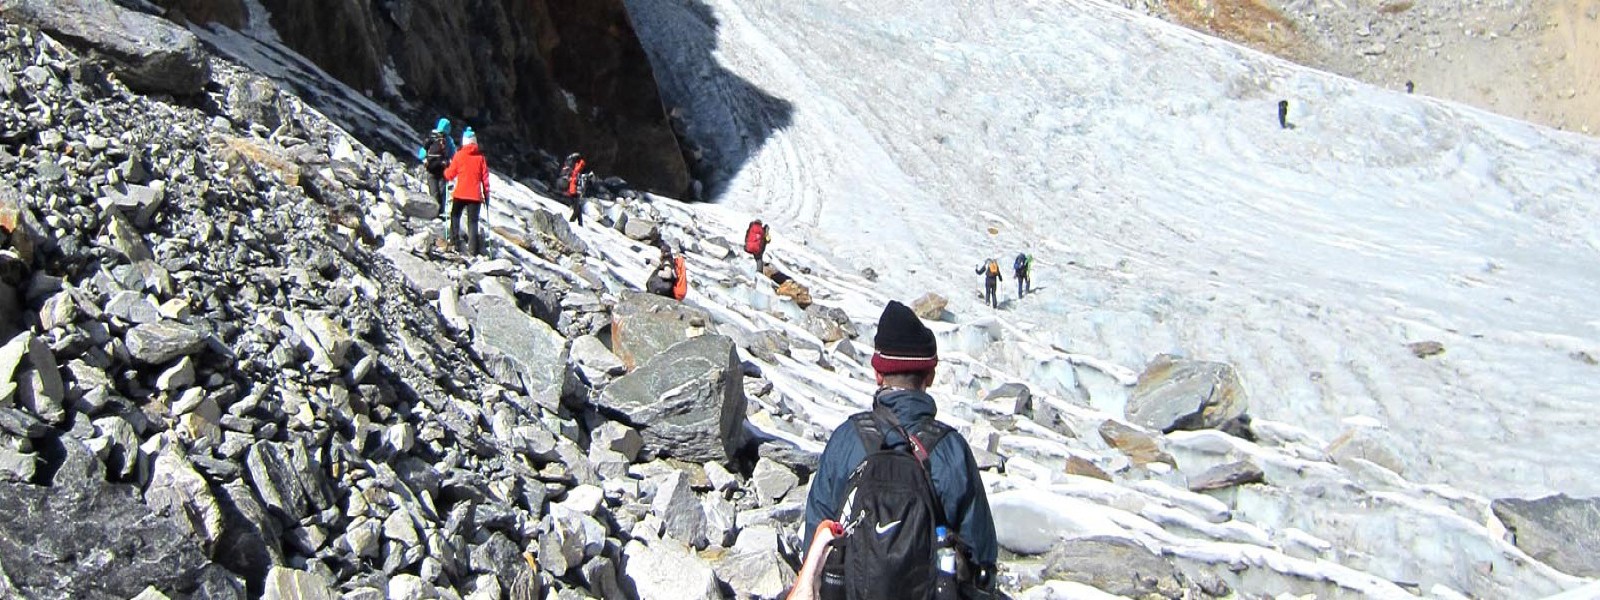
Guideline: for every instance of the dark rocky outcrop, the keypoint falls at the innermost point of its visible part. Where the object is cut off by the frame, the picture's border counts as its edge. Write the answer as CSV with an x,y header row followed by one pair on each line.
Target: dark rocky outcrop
x,y
1558,530
561,75
148,53
85,538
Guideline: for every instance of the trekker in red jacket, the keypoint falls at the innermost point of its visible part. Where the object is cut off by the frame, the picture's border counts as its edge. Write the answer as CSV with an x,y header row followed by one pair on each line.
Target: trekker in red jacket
x,y
471,175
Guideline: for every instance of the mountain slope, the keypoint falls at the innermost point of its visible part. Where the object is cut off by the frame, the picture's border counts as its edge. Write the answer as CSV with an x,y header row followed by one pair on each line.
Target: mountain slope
x,y
1144,166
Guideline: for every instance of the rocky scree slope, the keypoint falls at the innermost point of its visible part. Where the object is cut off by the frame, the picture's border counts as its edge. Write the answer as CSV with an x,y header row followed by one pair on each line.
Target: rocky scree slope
x,y
239,357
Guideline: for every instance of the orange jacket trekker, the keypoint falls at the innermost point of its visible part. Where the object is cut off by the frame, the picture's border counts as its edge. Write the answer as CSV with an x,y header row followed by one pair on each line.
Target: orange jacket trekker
x,y
471,174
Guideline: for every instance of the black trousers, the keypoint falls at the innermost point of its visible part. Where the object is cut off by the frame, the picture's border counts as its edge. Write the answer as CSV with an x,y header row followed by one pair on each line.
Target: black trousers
x,y
989,292
474,242
1024,283
436,189
577,210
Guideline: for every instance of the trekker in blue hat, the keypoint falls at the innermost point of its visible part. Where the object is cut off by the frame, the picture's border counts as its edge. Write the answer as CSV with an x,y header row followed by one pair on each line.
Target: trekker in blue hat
x,y
435,155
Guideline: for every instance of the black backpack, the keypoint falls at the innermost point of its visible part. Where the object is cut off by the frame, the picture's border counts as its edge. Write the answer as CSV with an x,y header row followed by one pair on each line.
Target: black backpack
x,y
890,512
437,160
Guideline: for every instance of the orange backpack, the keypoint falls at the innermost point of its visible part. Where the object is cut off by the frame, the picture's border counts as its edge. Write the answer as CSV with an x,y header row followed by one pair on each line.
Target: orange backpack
x,y
680,288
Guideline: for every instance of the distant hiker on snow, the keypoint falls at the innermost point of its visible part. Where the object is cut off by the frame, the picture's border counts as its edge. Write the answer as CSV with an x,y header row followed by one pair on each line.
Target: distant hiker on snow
x,y
573,184
990,269
902,489
1020,269
756,238
470,172
435,155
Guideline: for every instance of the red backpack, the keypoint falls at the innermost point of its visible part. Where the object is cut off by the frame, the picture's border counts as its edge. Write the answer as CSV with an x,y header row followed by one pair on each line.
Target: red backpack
x,y
572,177
753,238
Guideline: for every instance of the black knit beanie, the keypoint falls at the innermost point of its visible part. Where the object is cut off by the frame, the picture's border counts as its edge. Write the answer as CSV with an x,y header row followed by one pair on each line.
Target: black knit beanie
x,y
903,344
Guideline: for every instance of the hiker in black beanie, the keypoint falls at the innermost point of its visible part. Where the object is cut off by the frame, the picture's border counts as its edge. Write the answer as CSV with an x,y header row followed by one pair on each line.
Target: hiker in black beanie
x,y
905,357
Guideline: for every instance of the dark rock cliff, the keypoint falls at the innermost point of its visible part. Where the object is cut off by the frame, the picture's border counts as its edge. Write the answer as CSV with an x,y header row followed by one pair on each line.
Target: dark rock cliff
x,y
561,75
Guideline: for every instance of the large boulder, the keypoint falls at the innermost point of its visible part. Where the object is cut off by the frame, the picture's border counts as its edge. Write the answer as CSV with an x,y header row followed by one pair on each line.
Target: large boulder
x,y
1557,530
1179,394
149,54
1118,566
930,306
523,352
84,538
754,567
163,341
688,401
668,570
643,325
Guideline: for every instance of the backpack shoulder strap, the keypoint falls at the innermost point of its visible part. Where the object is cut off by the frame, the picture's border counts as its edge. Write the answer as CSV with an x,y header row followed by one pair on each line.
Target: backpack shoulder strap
x,y
930,432
868,430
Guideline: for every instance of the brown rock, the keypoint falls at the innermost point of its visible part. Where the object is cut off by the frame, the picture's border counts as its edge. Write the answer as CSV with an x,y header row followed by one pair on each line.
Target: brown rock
x,y
1142,447
1227,475
930,306
793,290
1077,465
1426,349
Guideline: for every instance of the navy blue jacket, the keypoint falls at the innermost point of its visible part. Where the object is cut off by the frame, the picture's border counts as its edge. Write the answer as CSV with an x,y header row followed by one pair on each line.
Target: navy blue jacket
x,y
955,476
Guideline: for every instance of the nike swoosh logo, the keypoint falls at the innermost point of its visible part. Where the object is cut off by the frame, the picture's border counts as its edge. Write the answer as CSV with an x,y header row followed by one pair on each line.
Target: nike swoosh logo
x,y
882,529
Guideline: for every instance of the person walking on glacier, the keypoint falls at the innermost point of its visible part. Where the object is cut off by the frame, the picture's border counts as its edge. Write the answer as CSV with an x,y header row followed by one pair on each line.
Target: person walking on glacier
x,y
902,486
435,155
1020,271
990,269
470,172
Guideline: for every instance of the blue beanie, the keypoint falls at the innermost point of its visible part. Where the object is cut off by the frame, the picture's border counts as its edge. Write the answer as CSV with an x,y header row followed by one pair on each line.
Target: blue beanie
x,y
443,126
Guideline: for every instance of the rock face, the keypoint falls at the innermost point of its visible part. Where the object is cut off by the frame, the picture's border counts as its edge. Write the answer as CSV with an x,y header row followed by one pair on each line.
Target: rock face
x,y
523,352
149,54
1557,530
564,76
667,570
1117,566
643,325
49,531
1178,394
688,401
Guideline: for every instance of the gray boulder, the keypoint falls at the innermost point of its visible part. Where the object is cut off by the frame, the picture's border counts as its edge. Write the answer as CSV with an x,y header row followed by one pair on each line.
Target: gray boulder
x,y
178,491
554,236
1015,397
772,481
284,583
1179,394
668,570
679,510
1117,566
524,353
754,568
162,341
149,54
422,276
688,402
595,359
643,325
1557,530
38,382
